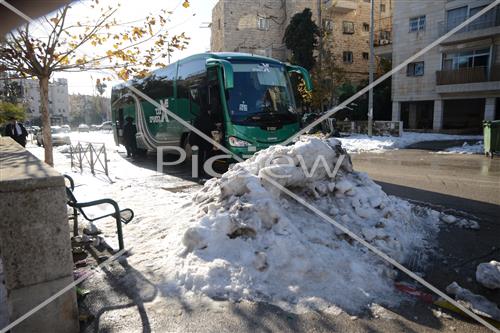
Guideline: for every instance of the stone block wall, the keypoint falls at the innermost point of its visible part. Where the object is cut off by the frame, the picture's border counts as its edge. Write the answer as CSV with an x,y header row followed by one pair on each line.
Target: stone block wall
x,y
35,242
234,28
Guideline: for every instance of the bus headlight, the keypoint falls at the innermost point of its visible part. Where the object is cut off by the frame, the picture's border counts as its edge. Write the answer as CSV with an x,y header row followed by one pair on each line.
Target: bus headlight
x,y
235,142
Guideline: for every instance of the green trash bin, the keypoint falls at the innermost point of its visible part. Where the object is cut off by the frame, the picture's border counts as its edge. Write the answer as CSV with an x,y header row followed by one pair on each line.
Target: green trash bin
x,y
491,131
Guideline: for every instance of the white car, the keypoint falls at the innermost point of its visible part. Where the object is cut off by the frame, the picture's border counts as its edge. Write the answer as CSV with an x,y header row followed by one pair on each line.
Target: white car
x,y
59,137
83,128
66,128
106,126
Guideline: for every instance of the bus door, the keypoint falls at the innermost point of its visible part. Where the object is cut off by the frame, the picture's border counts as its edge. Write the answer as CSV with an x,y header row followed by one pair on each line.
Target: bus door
x,y
119,125
214,102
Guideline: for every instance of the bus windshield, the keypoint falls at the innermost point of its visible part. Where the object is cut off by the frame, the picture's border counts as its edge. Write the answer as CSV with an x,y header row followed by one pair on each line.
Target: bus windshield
x,y
260,90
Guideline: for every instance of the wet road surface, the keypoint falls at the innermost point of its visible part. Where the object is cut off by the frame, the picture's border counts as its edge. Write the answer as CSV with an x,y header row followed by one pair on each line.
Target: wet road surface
x,y
473,177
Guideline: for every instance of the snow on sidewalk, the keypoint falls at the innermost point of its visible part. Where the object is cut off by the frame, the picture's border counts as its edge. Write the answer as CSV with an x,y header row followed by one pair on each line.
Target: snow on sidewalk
x,y
363,143
477,148
238,238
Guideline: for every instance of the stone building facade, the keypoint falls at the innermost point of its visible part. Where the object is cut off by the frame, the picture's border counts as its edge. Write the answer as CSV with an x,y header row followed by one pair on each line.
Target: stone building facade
x,y
455,85
29,96
258,27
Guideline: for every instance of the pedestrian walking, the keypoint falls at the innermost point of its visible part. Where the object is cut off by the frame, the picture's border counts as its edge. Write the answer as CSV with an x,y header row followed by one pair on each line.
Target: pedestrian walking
x,y
16,131
129,131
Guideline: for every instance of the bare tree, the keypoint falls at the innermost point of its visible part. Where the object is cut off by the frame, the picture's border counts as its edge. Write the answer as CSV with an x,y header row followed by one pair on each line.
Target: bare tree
x,y
56,44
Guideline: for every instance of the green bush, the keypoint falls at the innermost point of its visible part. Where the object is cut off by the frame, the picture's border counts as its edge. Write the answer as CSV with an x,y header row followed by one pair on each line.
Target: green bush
x,y
8,110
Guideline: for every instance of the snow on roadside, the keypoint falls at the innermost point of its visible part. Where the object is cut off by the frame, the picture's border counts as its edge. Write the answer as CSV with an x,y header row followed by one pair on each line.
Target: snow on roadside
x,y
363,143
477,148
238,238
251,242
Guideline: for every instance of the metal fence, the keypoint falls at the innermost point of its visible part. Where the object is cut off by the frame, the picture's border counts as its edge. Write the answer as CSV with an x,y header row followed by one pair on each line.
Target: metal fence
x,y
91,154
384,128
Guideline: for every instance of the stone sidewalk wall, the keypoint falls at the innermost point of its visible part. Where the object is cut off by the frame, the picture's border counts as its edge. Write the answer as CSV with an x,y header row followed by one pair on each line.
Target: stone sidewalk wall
x,y
35,241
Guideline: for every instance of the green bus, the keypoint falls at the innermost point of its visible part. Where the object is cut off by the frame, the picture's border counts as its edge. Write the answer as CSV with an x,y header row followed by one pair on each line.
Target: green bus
x,y
250,98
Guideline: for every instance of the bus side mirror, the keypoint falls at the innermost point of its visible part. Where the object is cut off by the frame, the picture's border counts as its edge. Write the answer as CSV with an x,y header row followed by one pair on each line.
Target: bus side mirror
x,y
227,70
302,72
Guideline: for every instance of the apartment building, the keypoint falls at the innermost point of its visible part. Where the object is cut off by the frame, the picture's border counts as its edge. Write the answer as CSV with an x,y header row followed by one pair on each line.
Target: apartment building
x,y
456,85
258,27
29,96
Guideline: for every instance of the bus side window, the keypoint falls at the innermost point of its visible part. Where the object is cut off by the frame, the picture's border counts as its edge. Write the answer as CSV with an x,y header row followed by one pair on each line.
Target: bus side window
x,y
194,100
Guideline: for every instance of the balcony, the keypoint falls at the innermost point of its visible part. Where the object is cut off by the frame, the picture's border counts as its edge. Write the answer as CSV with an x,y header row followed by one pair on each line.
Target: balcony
x,y
484,26
468,75
341,6
383,37
474,78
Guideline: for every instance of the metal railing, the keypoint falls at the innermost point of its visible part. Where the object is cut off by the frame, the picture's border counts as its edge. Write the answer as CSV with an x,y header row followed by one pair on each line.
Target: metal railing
x,y
383,37
92,154
468,75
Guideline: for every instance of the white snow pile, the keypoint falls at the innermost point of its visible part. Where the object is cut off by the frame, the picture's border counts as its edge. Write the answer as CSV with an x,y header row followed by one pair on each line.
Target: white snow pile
x,y
251,241
476,303
488,274
477,148
363,143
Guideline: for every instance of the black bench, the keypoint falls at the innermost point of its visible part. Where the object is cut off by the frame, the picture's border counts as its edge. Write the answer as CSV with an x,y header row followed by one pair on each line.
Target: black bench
x,y
121,216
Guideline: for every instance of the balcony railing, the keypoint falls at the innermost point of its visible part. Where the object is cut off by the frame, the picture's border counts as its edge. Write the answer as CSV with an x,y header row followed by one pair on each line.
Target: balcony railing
x,y
383,37
487,20
383,31
468,75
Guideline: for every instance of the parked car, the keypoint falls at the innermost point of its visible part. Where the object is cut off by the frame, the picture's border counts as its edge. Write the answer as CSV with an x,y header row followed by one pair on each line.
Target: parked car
x,y
35,129
106,126
94,127
59,137
66,128
83,128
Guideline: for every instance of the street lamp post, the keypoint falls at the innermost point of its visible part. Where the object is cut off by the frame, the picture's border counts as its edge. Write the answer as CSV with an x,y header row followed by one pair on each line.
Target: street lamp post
x,y
372,65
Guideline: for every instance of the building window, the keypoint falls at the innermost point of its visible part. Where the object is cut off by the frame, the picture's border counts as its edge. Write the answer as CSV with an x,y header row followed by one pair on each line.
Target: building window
x,y
415,69
366,55
262,23
348,27
466,59
366,27
218,24
347,56
417,23
382,7
327,25
456,16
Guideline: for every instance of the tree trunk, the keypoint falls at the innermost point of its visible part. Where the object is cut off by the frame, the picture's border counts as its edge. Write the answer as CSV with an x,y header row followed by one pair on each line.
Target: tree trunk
x,y
46,134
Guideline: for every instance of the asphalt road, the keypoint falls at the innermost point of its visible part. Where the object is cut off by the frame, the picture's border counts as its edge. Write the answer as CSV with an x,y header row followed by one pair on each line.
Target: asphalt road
x,y
467,185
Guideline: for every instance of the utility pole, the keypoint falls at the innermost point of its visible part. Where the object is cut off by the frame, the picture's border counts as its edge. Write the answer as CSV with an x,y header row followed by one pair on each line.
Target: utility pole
x,y
320,53
372,65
